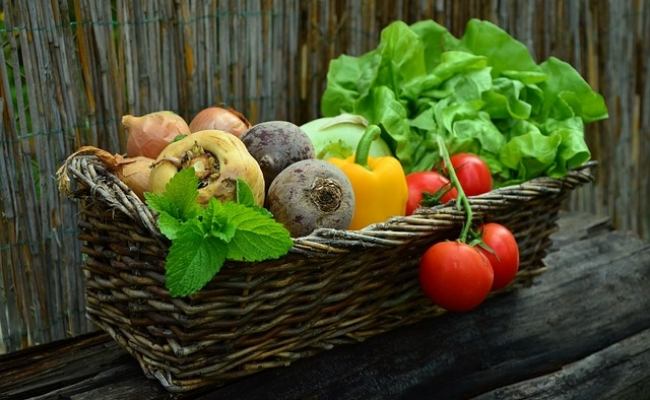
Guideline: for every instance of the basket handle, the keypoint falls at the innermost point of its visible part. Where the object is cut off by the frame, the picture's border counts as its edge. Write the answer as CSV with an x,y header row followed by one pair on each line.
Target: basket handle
x,y
85,173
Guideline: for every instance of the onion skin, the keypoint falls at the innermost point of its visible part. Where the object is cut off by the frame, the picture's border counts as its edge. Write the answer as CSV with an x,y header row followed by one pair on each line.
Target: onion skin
x,y
150,133
217,118
235,162
135,173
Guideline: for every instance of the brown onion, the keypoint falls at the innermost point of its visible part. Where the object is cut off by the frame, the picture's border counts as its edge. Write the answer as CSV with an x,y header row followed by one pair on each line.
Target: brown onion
x,y
134,172
217,118
150,133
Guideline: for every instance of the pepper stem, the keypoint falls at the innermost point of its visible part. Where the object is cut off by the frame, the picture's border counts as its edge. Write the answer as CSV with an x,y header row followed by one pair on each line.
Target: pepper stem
x,y
461,200
371,133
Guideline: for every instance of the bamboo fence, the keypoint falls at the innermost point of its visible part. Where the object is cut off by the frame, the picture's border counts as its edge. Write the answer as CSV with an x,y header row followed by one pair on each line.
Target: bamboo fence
x,y
70,69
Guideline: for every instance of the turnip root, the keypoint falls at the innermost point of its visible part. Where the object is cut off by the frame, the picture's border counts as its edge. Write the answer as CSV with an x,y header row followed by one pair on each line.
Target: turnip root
x,y
311,194
276,145
218,158
150,133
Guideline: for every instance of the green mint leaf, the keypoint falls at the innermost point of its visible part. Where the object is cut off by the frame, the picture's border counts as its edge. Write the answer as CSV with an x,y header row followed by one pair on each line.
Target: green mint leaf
x,y
179,137
258,236
182,191
179,198
245,197
215,221
244,193
264,211
168,225
193,260
159,203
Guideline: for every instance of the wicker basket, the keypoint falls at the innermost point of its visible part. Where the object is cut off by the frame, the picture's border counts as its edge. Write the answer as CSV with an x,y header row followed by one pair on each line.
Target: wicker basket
x,y
334,287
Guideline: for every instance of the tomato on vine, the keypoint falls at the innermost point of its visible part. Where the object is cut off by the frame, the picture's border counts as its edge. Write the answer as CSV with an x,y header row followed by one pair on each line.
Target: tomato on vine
x,y
427,188
504,254
473,173
455,276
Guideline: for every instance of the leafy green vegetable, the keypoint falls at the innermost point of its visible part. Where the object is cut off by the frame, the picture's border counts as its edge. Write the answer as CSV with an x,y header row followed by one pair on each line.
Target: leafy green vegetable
x,y
565,87
503,52
244,193
194,258
179,199
436,40
257,236
482,93
203,238
177,204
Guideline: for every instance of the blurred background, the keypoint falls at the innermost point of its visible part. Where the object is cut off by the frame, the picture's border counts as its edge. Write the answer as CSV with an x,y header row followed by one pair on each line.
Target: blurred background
x,y
70,69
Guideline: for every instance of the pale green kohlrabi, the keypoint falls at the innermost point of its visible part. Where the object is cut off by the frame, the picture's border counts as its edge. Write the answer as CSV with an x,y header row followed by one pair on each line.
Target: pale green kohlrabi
x,y
338,136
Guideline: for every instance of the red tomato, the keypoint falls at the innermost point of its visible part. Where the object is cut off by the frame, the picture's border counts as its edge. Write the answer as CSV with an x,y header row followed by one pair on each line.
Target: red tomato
x,y
426,182
473,173
455,276
505,259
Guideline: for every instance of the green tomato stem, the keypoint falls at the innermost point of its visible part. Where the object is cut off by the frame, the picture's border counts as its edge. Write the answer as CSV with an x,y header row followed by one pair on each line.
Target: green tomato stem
x,y
462,199
371,134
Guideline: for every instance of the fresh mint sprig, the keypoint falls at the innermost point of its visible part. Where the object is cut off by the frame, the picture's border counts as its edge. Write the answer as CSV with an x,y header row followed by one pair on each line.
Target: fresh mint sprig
x,y
203,238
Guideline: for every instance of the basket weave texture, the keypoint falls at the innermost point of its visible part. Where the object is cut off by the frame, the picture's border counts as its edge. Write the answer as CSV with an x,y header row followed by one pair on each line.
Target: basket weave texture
x,y
334,286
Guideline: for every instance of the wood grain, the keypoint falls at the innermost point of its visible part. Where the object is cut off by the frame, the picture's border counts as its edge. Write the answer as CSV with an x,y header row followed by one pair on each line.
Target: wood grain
x,y
70,69
592,376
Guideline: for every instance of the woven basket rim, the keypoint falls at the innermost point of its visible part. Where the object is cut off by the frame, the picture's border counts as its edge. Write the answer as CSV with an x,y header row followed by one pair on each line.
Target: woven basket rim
x,y
98,181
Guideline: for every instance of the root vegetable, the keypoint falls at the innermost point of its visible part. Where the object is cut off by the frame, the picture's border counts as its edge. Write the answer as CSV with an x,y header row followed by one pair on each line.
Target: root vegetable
x,y
218,159
222,119
276,145
150,133
133,171
311,194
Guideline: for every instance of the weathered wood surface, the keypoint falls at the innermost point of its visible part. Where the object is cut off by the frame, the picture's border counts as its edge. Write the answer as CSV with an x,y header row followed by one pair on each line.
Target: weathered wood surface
x,y
593,375
582,330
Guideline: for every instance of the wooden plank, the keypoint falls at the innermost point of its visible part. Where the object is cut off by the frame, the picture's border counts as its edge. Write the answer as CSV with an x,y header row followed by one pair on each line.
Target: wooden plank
x,y
41,369
594,377
577,226
130,388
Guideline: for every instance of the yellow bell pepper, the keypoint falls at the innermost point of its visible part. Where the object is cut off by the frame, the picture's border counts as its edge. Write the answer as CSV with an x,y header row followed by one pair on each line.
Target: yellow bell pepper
x,y
379,183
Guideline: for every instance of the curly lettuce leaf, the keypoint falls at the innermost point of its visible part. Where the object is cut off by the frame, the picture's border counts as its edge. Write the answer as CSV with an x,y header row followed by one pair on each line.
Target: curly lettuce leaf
x,y
414,150
530,154
504,101
436,40
567,94
503,52
573,150
482,93
348,79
